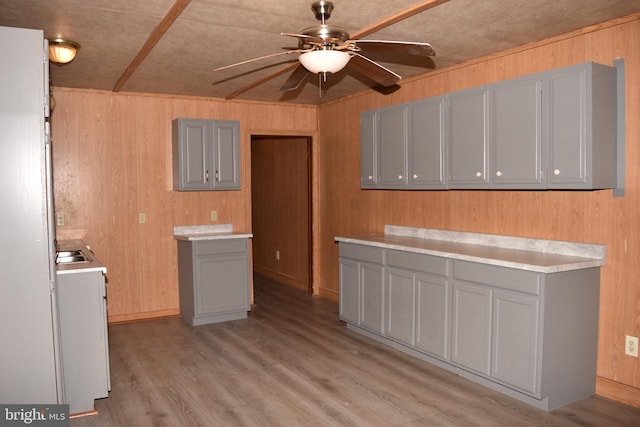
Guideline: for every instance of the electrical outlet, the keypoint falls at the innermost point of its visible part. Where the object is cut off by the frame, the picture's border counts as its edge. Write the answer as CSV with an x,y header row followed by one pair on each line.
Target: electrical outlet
x,y
60,219
214,215
142,218
631,346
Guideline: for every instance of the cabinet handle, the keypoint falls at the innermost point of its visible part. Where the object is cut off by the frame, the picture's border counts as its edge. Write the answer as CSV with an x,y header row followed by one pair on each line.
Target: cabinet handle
x,y
206,176
556,172
415,176
479,174
370,178
399,176
217,177
498,173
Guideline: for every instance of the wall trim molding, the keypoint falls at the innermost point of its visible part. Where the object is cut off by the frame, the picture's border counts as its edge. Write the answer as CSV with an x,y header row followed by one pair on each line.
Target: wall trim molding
x,y
617,391
147,315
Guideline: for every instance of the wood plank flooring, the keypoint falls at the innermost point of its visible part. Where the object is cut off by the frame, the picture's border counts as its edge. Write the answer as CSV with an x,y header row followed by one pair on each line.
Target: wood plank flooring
x,y
293,363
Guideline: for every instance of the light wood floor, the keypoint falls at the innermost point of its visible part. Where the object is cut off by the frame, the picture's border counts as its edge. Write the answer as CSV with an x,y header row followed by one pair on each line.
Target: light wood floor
x,y
293,363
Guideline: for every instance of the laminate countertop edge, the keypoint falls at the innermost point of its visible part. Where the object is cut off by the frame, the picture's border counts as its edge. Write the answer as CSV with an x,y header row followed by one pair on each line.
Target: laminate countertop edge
x,y
512,254
207,232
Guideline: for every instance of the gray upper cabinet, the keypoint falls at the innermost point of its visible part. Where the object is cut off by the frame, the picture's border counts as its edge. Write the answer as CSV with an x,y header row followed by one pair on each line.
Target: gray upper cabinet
x,y
555,129
426,144
495,135
515,133
582,127
206,154
368,150
392,146
468,138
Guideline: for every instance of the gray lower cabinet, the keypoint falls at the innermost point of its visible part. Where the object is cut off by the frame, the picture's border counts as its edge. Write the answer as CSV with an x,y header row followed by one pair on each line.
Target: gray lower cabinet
x,y
496,323
213,280
206,154
471,332
527,334
417,296
83,338
361,297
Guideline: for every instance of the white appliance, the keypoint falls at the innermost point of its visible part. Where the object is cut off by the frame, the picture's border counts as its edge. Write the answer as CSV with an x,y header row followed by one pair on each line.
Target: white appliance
x,y
30,365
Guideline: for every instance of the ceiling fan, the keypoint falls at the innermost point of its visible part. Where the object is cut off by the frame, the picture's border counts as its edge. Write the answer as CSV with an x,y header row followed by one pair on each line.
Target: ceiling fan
x,y
327,49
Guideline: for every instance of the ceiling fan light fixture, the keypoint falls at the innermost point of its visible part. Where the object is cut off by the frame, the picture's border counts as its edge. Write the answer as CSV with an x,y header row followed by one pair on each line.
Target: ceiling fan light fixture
x,y
62,51
324,61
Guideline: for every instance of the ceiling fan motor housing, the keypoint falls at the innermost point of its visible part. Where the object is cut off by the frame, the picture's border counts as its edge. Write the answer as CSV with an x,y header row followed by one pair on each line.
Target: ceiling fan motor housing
x,y
322,10
329,34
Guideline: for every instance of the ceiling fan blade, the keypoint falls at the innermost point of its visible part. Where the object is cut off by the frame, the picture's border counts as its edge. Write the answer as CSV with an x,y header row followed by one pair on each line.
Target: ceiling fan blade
x,y
404,14
261,80
411,48
259,58
376,72
295,79
303,36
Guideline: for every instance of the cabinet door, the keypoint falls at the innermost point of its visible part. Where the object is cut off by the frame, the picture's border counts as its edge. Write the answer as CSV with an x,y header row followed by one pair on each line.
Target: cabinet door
x,y
516,133
222,284
400,305
392,147
226,155
426,144
191,141
515,340
368,150
84,340
372,297
471,333
567,126
582,127
349,291
432,315
467,133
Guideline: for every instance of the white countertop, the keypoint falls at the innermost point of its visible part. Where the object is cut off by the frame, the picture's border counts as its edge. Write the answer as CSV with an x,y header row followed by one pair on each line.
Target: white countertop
x,y
207,232
545,256
81,267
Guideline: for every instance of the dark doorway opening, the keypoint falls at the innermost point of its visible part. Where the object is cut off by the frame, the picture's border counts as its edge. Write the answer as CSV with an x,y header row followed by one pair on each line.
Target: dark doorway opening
x,y
281,209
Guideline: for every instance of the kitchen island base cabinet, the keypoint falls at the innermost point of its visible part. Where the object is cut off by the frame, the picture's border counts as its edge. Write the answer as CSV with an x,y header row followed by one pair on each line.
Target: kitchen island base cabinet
x,y
213,280
528,334
83,337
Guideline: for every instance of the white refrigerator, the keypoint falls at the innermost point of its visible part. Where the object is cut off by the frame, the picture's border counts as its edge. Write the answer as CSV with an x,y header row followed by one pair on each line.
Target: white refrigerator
x,y
30,366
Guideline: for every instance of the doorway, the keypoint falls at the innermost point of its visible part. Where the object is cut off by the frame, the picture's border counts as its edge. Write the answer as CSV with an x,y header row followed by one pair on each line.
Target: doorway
x,y
281,209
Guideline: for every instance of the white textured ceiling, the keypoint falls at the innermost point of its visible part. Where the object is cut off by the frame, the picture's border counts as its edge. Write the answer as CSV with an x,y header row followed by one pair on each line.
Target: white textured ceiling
x,y
212,33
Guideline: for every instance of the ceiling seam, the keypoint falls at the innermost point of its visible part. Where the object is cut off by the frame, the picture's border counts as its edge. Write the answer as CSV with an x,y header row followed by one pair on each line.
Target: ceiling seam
x,y
168,20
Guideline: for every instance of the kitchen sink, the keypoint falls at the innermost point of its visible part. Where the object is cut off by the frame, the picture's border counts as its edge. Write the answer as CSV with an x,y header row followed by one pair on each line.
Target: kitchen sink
x,y
72,257
68,253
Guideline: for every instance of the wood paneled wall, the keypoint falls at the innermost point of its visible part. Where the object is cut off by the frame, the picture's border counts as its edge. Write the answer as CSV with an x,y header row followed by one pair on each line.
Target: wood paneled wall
x,y
590,216
112,161
280,171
